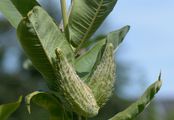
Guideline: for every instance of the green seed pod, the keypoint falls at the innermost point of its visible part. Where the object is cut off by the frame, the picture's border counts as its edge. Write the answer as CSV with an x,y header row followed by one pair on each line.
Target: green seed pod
x,y
103,78
75,92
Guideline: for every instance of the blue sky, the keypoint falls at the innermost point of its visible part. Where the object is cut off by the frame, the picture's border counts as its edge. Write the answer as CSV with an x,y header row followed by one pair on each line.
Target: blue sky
x,y
149,44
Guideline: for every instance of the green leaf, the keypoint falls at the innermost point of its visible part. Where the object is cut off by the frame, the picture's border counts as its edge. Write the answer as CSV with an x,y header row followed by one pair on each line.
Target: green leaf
x,y
88,44
14,10
7,109
116,37
47,102
39,37
85,18
85,63
136,108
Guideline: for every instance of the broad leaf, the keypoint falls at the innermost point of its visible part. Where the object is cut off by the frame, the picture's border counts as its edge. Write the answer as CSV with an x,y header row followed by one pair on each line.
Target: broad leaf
x,y
48,102
88,44
7,109
136,108
39,37
86,16
85,63
116,37
14,10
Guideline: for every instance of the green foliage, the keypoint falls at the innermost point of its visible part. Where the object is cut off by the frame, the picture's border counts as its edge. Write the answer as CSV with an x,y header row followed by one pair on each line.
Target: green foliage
x,y
136,108
85,18
14,10
39,43
116,37
79,84
7,109
85,62
48,102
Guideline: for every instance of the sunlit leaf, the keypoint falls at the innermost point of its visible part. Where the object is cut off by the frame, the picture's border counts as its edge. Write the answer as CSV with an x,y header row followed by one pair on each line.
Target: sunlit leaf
x,y
7,109
85,63
117,36
136,108
88,44
86,16
39,37
14,10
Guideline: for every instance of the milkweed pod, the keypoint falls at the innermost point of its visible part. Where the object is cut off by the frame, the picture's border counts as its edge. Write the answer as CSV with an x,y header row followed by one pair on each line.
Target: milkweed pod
x,y
73,90
103,78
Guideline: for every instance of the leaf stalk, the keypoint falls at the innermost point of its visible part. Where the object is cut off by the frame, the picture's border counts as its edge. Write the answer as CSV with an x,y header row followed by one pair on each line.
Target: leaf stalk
x,y
64,13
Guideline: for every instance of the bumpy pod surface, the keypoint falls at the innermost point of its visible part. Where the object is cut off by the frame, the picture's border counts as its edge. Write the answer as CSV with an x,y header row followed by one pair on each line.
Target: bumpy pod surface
x,y
75,92
103,78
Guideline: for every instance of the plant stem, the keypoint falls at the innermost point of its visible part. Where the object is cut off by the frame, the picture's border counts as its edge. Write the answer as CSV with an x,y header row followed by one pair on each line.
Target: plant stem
x,y
64,13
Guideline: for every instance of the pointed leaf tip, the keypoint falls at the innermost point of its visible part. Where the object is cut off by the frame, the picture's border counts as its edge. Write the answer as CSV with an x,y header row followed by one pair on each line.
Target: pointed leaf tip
x,y
136,108
159,77
29,109
116,37
48,102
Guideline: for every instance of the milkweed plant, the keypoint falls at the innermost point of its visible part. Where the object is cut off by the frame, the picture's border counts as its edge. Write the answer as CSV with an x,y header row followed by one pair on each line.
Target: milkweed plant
x,y
79,72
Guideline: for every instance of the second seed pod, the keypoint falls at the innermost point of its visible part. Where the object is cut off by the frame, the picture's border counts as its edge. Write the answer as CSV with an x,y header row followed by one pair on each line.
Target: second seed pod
x,y
103,78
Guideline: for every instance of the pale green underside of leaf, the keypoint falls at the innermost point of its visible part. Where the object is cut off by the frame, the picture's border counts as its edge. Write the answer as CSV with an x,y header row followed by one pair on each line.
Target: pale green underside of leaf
x,y
14,10
7,109
90,43
116,37
86,16
39,37
48,102
136,108
85,63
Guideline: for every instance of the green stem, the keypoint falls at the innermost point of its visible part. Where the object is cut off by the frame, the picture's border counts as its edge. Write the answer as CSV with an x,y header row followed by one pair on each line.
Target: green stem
x,y
64,13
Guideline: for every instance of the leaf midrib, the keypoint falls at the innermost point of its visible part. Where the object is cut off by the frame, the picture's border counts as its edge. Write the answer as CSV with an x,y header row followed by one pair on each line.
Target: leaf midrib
x,y
47,56
90,26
